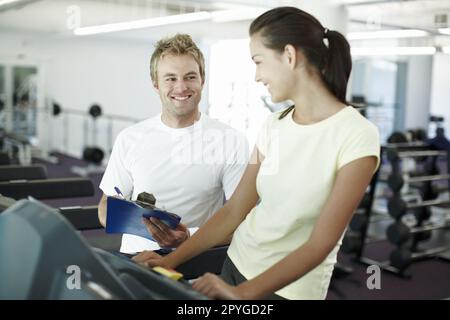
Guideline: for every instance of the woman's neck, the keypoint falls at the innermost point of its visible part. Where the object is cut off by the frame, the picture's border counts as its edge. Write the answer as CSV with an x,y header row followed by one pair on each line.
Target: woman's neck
x,y
314,103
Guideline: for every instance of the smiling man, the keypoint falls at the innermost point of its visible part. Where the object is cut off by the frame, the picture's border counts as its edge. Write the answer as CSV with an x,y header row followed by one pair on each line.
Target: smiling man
x,y
190,163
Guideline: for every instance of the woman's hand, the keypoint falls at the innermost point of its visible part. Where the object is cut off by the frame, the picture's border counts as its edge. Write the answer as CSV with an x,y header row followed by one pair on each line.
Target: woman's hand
x,y
214,287
149,259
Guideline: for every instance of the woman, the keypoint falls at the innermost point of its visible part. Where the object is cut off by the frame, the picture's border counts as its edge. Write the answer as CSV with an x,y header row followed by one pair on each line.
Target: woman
x,y
310,168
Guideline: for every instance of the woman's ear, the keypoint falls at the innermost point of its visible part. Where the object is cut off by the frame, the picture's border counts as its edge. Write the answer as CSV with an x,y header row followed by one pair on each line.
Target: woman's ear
x,y
291,55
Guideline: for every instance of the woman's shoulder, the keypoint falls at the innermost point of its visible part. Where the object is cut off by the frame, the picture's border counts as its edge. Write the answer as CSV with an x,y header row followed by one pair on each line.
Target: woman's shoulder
x,y
355,120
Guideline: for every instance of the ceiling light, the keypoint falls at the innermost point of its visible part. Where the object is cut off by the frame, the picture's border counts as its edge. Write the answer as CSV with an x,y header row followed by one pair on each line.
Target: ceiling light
x,y
392,51
235,14
386,34
4,2
145,23
444,30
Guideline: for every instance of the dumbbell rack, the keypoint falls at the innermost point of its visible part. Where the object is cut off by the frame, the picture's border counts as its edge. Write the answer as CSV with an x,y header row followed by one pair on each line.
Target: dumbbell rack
x,y
355,237
406,251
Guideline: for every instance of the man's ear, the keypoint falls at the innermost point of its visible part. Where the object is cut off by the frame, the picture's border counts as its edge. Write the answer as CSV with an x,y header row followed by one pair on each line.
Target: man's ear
x,y
291,55
155,85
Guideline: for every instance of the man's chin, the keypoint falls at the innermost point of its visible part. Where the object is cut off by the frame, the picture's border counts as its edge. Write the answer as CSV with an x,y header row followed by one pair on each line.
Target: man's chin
x,y
185,111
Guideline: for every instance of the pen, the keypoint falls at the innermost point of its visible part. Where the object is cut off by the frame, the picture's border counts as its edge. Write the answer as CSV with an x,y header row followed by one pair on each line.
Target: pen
x,y
119,192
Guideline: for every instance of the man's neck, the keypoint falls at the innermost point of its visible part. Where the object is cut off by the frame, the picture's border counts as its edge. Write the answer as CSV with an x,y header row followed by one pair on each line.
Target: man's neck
x,y
180,122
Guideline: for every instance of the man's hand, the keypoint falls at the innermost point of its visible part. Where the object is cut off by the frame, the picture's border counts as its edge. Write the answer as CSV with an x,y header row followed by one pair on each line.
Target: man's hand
x,y
214,287
166,237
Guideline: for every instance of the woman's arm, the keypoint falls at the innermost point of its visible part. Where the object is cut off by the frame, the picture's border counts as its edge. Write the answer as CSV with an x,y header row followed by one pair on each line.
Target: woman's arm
x,y
348,190
219,228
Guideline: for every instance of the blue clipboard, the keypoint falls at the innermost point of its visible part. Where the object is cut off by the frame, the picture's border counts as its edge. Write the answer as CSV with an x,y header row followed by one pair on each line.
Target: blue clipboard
x,y
124,216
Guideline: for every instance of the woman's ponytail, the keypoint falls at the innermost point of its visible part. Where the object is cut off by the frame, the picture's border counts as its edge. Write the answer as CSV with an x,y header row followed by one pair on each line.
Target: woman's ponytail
x,y
338,64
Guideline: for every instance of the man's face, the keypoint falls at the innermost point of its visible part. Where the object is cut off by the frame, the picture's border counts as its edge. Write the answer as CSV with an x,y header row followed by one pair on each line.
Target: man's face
x,y
179,84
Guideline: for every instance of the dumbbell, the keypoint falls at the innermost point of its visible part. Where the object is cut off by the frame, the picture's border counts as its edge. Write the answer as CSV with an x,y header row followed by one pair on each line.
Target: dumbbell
x,y
351,243
95,111
395,181
422,213
359,222
429,191
93,154
56,109
399,233
397,137
421,134
401,258
397,207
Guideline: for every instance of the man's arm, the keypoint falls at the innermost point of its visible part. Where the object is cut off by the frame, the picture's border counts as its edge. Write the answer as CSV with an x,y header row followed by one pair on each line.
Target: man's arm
x,y
102,211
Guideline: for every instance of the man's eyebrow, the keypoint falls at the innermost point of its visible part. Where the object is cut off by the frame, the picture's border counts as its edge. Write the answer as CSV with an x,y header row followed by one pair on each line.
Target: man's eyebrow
x,y
169,74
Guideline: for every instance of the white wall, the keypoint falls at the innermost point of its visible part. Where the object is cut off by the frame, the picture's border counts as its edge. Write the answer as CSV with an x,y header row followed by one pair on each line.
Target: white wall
x,y
77,73
418,90
112,72
440,89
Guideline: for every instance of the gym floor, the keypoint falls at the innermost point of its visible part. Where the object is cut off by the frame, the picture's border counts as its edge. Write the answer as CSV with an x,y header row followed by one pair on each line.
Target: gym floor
x,y
429,278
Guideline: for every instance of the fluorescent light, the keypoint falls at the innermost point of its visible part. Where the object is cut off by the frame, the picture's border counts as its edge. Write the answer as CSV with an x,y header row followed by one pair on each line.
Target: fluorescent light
x,y
235,14
392,51
3,2
145,23
386,34
446,50
444,30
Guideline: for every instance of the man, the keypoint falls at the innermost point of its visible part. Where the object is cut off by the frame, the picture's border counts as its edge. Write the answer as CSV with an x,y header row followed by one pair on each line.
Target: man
x,y
188,161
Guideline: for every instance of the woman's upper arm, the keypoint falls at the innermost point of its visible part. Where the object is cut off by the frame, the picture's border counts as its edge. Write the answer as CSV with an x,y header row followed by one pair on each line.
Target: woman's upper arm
x,y
348,189
245,196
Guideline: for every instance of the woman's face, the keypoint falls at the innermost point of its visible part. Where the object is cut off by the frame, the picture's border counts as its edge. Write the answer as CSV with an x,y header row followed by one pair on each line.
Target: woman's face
x,y
272,69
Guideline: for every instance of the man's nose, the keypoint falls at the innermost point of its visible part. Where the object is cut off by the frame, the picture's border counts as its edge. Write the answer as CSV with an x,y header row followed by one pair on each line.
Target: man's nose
x,y
181,85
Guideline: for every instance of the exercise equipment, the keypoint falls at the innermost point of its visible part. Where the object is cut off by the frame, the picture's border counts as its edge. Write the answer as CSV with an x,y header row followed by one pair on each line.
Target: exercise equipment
x,y
4,158
397,137
92,154
359,222
352,243
16,172
17,147
397,207
399,233
38,267
82,217
48,189
402,258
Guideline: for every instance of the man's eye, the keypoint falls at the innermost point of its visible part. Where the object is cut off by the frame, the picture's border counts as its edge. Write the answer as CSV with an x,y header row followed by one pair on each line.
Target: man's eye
x,y
192,77
170,79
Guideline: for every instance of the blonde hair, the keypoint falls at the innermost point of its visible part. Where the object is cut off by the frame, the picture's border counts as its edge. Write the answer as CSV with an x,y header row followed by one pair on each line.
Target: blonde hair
x,y
179,44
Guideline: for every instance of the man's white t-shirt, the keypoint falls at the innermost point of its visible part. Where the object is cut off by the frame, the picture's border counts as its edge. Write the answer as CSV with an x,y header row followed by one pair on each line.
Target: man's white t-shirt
x,y
190,171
